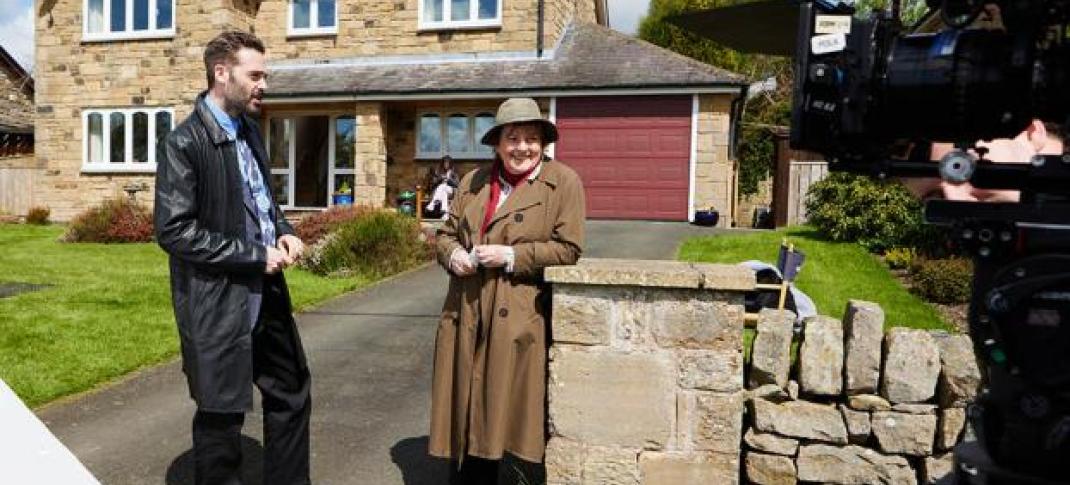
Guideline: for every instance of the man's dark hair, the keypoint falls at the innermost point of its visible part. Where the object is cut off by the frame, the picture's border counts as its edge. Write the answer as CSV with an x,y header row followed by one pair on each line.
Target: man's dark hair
x,y
223,49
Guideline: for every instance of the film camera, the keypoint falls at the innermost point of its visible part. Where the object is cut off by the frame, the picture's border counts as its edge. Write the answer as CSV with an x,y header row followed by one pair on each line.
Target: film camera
x,y
871,94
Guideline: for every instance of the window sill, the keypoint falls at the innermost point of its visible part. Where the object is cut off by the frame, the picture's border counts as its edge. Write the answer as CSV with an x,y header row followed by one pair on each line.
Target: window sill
x,y
119,169
455,26
121,36
306,34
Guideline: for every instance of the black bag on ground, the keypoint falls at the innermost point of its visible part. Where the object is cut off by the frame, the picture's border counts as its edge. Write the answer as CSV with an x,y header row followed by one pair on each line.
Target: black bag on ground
x,y
756,300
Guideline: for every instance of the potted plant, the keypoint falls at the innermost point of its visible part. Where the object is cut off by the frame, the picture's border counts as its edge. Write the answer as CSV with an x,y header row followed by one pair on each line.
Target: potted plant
x,y
344,194
707,217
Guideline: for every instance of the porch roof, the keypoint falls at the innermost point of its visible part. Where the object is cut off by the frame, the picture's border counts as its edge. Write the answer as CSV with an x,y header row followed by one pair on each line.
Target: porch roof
x,y
587,57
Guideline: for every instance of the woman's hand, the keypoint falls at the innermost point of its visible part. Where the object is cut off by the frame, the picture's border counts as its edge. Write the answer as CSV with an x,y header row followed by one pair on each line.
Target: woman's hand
x,y
494,255
461,263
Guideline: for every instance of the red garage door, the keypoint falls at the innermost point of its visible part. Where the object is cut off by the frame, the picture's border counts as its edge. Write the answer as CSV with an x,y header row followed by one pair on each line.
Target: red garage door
x,y
633,153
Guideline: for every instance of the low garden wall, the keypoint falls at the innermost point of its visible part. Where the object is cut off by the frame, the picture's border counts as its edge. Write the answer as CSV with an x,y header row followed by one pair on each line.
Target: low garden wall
x,y
648,385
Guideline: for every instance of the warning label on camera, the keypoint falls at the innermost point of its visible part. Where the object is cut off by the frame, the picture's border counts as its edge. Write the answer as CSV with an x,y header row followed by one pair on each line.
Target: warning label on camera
x,y
832,24
824,44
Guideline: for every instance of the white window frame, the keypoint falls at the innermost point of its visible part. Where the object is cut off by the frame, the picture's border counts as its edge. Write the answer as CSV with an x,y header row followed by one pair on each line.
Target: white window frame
x,y
107,35
313,28
291,157
128,165
444,116
473,22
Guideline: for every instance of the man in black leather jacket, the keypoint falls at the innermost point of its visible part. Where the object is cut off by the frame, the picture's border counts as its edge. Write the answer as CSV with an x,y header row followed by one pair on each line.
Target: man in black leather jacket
x,y
228,242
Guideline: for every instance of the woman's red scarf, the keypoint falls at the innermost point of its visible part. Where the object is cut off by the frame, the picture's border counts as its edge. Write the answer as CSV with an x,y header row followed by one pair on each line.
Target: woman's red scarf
x,y
497,174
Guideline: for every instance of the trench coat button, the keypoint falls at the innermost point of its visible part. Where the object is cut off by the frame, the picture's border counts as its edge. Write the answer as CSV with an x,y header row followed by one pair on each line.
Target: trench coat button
x,y
503,313
518,218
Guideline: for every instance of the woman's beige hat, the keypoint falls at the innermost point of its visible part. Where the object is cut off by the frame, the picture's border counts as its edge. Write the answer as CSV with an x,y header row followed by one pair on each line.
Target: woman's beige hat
x,y
519,110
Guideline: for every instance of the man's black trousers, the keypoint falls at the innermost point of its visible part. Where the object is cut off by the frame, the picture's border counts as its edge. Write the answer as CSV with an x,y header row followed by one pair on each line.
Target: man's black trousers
x,y
279,371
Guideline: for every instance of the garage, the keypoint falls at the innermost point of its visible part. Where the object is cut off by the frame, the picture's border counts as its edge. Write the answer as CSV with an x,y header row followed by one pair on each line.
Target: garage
x,y
632,152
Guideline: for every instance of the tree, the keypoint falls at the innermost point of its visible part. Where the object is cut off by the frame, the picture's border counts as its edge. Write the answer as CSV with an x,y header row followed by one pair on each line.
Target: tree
x,y
766,110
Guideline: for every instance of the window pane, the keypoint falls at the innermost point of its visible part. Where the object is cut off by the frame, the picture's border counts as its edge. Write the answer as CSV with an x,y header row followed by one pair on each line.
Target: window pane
x,y
95,22
118,15
433,10
141,14
488,9
325,13
117,126
301,14
345,138
281,134
310,162
484,122
141,138
430,134
96,138
460,9
457,130
280,185
163,13
163,127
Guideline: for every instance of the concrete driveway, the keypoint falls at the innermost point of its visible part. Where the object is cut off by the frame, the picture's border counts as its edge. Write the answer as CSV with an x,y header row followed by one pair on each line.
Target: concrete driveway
x,y
371,355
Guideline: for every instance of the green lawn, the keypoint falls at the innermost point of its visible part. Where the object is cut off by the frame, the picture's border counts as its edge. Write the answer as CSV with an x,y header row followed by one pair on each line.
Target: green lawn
x,y
832,274
108,313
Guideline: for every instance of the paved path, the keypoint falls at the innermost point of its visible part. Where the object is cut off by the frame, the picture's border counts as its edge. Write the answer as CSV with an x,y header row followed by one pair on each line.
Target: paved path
x,y
370,354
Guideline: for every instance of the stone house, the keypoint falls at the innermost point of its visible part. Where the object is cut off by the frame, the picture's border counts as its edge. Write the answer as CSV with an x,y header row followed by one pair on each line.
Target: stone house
x,y
372,93
16,108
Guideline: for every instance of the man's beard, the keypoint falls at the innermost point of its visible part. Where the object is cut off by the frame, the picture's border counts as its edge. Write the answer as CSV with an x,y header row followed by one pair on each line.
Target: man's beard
x,y
238,102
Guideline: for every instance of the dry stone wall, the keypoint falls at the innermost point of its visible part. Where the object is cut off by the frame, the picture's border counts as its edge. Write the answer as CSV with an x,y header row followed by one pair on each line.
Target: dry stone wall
x,y
874,407
647,385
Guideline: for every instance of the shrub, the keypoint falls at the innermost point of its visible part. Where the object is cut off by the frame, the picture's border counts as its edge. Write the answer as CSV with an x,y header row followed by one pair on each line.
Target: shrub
x,y
876,214
377,244
113,221
311,229
943,280
900,258
38,216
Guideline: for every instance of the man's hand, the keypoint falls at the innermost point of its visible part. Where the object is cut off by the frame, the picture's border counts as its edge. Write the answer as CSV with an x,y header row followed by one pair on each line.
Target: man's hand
x,y
276,261
293,247
493,255
461,264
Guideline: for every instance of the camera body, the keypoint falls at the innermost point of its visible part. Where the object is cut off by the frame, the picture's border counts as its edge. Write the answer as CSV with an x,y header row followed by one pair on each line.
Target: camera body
x,y
866,86
871,96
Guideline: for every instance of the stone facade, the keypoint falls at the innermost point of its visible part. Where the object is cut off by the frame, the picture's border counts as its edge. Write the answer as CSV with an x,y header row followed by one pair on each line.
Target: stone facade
x,y
715,183
16,96
168,73
646,373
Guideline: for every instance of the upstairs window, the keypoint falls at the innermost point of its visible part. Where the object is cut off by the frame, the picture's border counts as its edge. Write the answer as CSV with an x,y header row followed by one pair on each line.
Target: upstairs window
x,y
128,19
460,14
312,17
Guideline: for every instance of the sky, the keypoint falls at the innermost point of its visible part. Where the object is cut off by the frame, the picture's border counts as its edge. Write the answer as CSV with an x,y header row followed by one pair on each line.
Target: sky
x,y
16,30
16,24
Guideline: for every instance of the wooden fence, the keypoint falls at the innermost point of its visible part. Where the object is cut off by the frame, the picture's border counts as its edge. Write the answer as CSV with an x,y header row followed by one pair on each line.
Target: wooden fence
x,y
16,190
796,171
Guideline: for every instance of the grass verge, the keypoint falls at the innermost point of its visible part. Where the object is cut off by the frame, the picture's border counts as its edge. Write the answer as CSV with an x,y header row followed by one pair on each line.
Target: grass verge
x,y
107,311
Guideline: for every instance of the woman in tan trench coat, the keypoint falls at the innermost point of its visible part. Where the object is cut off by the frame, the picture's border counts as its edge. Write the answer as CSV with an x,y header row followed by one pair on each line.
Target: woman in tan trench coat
x,y
508,222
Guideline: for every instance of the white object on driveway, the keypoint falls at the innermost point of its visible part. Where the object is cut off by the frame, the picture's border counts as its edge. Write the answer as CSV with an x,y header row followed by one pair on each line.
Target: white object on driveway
x,y
29,452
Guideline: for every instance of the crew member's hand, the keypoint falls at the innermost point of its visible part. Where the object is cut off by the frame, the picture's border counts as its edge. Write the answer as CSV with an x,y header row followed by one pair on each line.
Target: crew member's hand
x,y
276,261
293,247
461,264
493,255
